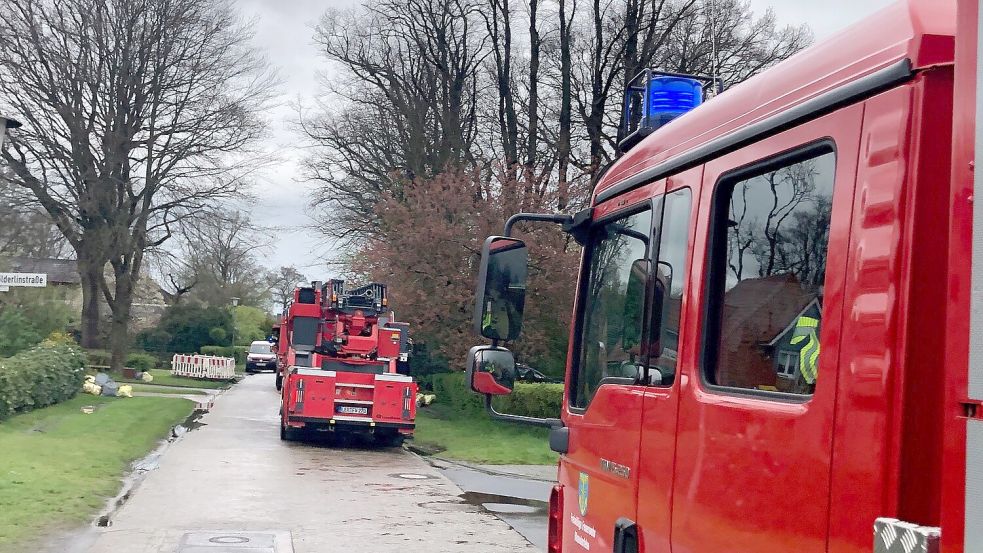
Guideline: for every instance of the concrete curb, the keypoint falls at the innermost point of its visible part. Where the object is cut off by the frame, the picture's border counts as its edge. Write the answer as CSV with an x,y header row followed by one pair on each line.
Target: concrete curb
x,y
482,468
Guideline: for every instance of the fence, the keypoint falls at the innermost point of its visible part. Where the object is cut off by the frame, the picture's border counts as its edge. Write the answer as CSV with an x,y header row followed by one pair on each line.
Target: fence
x,y
203,366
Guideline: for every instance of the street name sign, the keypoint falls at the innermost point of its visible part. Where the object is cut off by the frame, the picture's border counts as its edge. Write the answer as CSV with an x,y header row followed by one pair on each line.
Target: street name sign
x,y
28,280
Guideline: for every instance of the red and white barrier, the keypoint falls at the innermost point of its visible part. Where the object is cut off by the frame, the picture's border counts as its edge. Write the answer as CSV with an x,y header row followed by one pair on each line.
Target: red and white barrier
x,y
203,366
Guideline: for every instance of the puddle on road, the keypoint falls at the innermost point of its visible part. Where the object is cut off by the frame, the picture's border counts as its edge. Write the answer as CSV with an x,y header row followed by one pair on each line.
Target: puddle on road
x,y
511,509
410,476
193,422
506,505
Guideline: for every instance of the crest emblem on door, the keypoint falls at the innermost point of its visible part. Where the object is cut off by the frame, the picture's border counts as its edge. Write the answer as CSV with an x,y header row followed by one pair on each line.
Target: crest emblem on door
x,y
583,490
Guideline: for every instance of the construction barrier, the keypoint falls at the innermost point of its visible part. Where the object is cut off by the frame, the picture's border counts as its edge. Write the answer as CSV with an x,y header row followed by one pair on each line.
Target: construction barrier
x,y
203,366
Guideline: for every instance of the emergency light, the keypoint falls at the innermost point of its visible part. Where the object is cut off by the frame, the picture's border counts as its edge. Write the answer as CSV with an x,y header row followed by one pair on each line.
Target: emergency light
x,y
653,99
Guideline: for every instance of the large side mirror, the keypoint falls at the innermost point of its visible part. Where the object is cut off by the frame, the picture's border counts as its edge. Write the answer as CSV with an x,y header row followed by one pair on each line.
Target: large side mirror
x,y
501,291
663,293
633,314
491,370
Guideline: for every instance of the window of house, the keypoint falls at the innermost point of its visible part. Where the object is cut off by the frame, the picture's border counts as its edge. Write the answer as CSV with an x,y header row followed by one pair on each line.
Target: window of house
x,y
768,266
612,311
788,362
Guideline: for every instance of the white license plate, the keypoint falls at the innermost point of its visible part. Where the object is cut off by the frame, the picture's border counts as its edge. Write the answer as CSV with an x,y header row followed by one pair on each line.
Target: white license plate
x,y
346,410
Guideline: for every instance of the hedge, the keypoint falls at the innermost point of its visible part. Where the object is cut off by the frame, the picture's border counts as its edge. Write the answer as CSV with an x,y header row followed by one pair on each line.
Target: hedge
x,y
98,357
236,352
527,399
141,361
46,374
530,399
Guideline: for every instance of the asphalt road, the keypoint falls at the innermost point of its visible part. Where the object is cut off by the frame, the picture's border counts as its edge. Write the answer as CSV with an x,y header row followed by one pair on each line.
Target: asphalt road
x,y
233,486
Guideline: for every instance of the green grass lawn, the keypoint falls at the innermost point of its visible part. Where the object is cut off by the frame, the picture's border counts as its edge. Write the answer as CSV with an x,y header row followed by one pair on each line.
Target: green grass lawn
x,y
158,389
163,377
478,439
58,466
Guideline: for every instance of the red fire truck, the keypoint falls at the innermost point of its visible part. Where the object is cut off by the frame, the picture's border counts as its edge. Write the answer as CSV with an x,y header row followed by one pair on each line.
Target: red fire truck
x,y
777,334
340,354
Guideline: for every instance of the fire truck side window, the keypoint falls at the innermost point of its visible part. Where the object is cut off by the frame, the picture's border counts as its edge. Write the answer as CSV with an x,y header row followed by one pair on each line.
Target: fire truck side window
x,y
769,264
610,338
671,275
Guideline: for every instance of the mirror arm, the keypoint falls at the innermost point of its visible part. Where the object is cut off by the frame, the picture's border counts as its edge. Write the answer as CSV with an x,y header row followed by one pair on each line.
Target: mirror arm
x,y
558,218
531,421
575,225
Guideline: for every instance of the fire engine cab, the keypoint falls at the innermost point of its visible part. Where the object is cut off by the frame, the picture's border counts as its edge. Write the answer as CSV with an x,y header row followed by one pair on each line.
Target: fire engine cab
x,y
777,340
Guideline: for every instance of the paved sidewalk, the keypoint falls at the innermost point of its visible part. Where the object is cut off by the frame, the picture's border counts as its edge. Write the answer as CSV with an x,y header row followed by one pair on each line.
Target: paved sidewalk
x,y
234,480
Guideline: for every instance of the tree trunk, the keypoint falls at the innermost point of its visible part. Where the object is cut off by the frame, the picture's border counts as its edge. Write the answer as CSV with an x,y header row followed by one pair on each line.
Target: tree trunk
x,y
90,273
120,302
563,137
534,44
119,339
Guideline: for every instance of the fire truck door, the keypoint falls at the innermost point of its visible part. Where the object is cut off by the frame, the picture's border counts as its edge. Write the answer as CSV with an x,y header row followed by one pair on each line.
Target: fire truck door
x,y
756,399
604,407
973,533
661,404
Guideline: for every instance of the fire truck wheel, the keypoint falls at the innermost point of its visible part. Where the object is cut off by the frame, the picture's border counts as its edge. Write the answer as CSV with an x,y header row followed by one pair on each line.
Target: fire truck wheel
x,y
286,433
279,382
389,440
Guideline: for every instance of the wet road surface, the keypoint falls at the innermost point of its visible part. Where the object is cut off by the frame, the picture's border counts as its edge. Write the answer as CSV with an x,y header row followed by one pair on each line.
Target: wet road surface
x,y
233,486
520,502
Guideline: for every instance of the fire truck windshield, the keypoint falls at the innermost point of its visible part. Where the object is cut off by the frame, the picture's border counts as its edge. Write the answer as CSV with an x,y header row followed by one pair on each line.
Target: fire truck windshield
x,y
612,310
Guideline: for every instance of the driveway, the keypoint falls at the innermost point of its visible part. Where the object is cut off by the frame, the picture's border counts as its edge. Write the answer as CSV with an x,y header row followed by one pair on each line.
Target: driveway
x,y
233,486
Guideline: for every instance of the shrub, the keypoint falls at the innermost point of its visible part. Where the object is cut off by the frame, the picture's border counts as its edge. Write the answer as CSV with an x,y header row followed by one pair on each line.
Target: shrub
x,y
155,340
452,390
59,337
530,399
185,328
98,357
18,332
141,361
28,315
237,353
39,377
527,399
218,334
252,324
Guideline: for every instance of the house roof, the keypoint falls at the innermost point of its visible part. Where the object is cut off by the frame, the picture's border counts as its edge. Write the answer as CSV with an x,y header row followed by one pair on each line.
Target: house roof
x,y
59,271
759,309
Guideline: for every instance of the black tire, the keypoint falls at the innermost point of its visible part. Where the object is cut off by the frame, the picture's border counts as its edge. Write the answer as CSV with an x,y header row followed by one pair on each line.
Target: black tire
x,y
288,434
389,440
279,382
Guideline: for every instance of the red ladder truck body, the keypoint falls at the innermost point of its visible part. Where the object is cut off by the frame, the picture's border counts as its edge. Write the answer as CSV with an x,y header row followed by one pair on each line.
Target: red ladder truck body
x,y
777,341
341,355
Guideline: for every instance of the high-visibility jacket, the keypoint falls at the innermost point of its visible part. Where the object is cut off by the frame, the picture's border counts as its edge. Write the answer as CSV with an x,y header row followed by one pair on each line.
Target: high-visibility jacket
x,y
807,330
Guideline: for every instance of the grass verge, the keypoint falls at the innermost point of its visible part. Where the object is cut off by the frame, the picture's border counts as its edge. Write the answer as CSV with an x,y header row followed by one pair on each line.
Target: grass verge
x,y
163,377
478,439
150,388
58,466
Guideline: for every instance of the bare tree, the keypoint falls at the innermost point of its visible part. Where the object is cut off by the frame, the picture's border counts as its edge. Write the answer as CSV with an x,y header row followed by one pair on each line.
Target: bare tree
x,y
411,84
283,283
25,228
220,260
134,112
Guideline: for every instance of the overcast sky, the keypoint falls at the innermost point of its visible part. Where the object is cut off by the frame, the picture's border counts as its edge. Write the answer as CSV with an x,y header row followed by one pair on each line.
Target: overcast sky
x,y
284,31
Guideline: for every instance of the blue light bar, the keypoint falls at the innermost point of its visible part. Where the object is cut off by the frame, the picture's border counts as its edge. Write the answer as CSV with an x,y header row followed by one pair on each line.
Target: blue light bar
x,y
654,98
670,97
